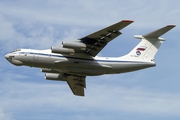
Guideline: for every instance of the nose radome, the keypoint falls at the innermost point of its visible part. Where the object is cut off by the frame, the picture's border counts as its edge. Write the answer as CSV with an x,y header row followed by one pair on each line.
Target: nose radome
x,y
6,56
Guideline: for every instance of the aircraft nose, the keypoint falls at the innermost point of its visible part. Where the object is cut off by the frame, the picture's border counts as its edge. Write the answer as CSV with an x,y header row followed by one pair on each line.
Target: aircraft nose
x,y
6,56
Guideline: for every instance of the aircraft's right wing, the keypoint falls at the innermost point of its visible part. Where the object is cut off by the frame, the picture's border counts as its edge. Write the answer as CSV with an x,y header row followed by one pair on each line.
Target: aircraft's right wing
x,y
77,84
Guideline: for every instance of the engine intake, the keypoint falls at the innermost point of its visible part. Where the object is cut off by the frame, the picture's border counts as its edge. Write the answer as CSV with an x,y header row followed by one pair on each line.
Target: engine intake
x,y
62,50
54,76
74,45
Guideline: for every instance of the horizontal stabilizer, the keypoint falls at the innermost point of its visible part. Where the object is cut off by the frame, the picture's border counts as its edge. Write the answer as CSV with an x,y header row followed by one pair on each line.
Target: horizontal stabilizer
x,y
159,32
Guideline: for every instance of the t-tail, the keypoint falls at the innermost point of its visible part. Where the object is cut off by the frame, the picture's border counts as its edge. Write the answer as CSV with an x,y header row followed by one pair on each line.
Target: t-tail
x,y
149,44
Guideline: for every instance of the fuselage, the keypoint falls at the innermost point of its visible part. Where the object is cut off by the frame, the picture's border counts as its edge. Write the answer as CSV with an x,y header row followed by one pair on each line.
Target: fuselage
x,y
72,64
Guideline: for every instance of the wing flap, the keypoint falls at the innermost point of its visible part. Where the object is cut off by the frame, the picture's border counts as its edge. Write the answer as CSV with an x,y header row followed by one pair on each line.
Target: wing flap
x,y
77,84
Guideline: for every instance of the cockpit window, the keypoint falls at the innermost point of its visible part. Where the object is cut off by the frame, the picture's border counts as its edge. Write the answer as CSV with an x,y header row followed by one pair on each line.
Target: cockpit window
x,y
17,50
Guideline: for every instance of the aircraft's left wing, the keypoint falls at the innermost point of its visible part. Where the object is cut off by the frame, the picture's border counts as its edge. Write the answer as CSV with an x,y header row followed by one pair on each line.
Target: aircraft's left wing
x,y
92,44
95,42
77,84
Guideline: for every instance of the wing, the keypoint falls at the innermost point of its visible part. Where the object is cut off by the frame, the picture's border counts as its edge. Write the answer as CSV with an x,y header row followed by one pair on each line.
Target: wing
x,y
77,84
92,44
98,40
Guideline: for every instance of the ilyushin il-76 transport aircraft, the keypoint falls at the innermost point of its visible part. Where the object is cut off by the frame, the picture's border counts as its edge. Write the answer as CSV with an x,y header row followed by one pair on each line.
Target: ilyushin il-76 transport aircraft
x,y
75,60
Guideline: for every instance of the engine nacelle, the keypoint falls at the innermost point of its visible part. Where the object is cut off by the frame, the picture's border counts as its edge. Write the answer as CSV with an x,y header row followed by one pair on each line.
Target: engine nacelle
x,y
54,76
62,50
74,45
49,70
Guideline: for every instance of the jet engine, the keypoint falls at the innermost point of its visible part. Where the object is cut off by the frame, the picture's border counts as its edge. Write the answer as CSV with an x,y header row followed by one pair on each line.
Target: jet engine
x,y
62,50
49,70
74,45
54,76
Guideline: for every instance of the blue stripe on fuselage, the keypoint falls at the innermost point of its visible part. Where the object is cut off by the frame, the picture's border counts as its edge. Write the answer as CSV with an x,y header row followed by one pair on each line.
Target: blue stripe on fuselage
x,y
60,56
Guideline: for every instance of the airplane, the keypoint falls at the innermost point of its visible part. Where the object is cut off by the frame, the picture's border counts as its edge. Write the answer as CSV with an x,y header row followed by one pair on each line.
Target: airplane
x,y
75,60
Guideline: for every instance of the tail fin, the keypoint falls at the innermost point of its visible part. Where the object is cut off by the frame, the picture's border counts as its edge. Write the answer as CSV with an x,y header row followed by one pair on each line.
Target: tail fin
x,y
150,43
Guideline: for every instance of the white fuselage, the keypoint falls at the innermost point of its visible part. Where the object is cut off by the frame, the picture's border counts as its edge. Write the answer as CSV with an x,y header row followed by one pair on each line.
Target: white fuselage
x,y
86,66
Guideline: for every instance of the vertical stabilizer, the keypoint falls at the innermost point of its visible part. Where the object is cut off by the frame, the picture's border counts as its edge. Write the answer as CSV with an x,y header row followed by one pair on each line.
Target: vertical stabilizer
x,y
149,44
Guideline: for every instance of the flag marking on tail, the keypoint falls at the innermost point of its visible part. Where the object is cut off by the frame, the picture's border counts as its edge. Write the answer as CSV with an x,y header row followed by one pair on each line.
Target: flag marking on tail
x,y
140,49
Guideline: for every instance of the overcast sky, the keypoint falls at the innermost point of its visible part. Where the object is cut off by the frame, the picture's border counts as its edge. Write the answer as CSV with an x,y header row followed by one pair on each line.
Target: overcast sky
x,y
153,93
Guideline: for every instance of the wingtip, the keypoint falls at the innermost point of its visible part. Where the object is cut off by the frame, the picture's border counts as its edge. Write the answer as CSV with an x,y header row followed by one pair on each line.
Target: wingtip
x,y
171,25
127,20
